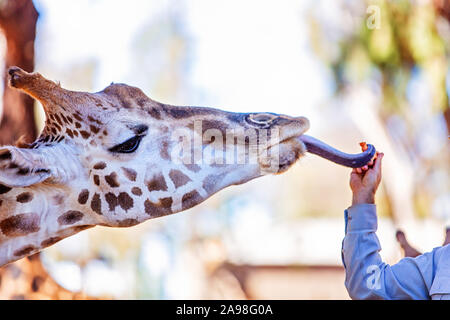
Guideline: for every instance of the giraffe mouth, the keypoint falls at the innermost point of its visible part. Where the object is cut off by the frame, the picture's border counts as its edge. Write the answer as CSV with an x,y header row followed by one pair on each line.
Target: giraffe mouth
x,y
279,157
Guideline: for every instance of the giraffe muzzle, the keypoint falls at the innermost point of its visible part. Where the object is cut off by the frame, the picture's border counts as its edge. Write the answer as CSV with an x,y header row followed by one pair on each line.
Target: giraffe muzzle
x,y
323,150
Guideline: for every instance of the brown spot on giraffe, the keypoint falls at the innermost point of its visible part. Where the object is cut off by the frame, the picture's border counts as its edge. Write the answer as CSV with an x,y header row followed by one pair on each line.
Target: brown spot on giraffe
x,y
164,151
20,225
166,203
179,113
58,119
94,129
100,165
50,241
58,199
96,179
91,119
81,228
83,196
112,201
85,134
125,201
214,124
24,251
129,173
141,102
70,217
96,204
178,178
161,208
136,191
112,180
24,197
193,167
190,199
76,116
64,119
157,183
187,112
154,113
127,223
69,132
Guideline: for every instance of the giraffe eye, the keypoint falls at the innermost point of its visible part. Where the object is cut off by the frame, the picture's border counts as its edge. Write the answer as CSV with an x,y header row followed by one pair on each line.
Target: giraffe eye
x,y
128,146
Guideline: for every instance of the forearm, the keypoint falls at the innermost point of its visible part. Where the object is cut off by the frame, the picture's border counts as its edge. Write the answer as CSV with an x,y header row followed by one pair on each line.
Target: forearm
x,y
363,198
367,276
360,255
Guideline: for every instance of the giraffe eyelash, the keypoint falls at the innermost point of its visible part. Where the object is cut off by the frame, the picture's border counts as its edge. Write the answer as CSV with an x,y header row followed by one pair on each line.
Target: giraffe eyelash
x,y
129,146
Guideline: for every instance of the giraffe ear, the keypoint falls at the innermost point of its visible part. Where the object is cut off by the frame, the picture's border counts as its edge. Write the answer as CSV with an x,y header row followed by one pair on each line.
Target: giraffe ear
x,y
22,167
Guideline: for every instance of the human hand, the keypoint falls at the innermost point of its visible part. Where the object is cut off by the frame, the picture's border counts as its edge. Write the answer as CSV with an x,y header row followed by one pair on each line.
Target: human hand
x,y
364,181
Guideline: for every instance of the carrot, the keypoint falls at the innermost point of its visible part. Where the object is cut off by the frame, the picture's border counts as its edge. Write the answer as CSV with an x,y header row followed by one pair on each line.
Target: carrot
x,y
363,146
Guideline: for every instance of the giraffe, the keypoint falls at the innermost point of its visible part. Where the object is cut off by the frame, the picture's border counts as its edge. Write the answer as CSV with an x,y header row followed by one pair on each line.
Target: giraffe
x,y
117,158
27,279
409,250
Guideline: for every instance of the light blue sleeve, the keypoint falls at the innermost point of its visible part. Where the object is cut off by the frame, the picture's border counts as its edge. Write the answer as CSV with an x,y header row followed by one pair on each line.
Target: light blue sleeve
x,y
367,276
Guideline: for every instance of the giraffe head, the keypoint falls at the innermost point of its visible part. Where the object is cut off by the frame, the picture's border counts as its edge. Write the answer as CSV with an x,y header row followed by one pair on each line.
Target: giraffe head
x,y
117,158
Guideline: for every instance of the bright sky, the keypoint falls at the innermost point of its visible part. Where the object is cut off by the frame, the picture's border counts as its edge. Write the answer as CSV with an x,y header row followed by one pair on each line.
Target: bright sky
x,y
245,55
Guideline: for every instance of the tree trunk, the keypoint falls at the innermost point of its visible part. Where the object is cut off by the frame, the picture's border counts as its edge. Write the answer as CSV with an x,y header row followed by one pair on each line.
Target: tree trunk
x,y
27,278
18,23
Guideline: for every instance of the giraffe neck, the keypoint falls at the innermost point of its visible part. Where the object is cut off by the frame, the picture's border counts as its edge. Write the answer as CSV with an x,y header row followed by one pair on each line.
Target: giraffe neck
x,y
36,217
39,283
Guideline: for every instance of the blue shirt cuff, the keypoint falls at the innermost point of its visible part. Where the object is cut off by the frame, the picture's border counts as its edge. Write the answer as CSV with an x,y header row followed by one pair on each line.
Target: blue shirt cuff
x,y
362,217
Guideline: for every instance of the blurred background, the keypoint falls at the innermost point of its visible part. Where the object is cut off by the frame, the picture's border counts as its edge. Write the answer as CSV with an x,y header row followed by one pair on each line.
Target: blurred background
x,y
375,71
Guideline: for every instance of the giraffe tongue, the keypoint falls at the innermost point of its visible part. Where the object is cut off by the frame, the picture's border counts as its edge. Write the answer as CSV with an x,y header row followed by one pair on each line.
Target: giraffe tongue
x,y
323,150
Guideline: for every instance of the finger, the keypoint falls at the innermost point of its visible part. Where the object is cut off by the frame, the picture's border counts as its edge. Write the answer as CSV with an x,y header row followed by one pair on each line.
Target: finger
x,y
365,168
377,165
358,170
355,175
